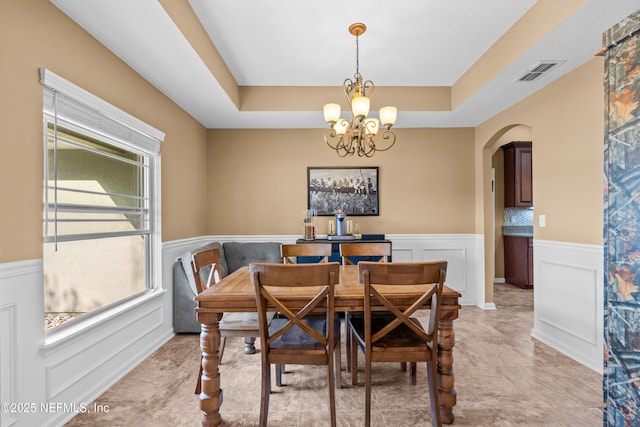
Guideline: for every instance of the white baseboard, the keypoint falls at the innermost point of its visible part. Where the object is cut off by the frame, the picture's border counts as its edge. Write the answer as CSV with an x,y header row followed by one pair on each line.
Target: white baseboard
x,y
488,306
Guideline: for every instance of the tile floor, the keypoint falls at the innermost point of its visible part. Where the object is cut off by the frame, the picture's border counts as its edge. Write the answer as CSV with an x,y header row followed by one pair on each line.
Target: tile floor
x,y
503,377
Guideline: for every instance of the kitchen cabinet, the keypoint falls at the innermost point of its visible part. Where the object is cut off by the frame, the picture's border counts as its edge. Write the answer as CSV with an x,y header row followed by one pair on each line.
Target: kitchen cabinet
x,y
518,175
518,261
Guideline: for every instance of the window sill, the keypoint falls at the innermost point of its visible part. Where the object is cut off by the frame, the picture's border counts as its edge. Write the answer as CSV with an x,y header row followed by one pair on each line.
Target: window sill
x,y
62,334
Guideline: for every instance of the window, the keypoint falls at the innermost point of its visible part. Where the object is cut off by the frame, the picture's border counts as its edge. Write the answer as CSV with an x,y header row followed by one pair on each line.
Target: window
x,y
100,202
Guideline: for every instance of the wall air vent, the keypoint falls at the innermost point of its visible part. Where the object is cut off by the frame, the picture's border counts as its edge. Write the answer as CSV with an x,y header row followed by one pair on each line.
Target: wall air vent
x,y
538,70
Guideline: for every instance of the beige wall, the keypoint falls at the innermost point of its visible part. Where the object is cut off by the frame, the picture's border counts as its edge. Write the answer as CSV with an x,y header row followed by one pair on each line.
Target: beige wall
x,y
567,125
35,34
566,120
258,178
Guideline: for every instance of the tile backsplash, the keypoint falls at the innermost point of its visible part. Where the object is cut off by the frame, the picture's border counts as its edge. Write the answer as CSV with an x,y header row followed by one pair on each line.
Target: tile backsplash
x,y
518,216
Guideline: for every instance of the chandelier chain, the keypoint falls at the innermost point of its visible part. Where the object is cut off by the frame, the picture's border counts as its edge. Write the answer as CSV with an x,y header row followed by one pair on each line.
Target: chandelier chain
x,y
357,74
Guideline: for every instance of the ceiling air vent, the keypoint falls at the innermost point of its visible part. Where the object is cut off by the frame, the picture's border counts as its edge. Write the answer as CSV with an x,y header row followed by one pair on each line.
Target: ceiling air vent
x,y
538,70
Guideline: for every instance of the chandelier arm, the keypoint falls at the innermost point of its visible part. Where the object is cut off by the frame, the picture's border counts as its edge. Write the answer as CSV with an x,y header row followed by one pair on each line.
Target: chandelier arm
x,y
369,87
370,127
367,146
388,135
343,145
350,136
331,135
342,153
347,87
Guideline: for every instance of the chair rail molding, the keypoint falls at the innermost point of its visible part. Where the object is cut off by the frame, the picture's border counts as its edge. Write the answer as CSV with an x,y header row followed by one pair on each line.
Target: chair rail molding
x,y
464,252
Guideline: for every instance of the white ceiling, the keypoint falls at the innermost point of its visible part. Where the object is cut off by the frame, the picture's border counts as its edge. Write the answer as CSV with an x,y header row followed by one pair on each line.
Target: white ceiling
x,y
305,43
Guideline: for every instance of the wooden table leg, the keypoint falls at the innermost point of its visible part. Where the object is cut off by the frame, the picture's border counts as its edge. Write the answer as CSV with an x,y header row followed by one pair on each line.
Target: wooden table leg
x,y
446,341
211,394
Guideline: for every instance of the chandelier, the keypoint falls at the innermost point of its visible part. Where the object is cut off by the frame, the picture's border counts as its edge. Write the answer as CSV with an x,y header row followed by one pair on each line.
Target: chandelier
x,y
358,136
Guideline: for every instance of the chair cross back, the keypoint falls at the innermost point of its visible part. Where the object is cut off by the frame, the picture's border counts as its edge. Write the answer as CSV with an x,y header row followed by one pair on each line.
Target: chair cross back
x,y
401,317
382,250
296,319
202,259
430,275
265,275
289,251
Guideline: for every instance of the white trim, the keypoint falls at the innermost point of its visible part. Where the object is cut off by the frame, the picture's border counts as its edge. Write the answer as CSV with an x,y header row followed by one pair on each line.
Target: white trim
x,y
488,306
60,335
91,112
49,79
282,238
13,270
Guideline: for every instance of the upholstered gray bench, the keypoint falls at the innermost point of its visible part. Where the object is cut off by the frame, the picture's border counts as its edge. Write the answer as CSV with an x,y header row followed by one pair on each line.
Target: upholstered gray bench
x,y
234,255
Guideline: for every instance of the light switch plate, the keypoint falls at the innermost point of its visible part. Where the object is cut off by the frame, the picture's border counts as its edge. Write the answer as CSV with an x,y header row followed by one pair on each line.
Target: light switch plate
x,y
542,220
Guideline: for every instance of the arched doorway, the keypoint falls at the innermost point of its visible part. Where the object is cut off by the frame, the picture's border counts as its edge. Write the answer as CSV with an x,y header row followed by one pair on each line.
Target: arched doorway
x,y
493,205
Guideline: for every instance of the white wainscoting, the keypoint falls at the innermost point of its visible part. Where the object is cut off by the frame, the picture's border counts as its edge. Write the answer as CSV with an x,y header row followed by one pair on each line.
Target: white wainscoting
x,y
76,368
8,346
568,299
72,366
22,295
464,253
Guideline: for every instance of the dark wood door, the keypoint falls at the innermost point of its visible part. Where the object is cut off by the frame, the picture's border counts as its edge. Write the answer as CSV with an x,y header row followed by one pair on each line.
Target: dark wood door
x,y
518,175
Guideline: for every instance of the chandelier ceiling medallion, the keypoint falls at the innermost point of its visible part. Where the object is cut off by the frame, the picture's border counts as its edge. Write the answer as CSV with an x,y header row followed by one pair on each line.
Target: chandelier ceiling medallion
x,y
358,136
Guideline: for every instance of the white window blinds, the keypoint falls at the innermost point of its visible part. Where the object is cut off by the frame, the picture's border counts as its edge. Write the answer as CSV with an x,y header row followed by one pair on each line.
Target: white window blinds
x,y
99,166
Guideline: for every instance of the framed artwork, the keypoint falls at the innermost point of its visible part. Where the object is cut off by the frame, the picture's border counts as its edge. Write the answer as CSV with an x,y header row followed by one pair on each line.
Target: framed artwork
x,y
354,190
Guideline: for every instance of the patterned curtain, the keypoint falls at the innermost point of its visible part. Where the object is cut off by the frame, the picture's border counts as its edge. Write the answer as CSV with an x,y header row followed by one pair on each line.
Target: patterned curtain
x,y
621,383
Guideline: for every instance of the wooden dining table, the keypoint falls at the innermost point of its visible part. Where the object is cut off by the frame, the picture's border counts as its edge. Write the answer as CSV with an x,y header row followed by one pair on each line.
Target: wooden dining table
x,y
236,293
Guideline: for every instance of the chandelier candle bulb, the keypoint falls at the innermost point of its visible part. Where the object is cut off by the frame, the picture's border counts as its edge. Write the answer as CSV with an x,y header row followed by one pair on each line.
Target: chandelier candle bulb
x,y
388,116
331,113
360,107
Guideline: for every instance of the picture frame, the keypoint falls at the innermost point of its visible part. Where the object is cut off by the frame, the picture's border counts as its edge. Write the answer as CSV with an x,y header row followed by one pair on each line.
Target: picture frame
x,y
355,190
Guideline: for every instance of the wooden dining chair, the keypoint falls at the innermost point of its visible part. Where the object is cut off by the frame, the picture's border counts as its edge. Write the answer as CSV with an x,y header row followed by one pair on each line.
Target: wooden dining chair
x,y
290,252
352,253
400,338
204,265
299,336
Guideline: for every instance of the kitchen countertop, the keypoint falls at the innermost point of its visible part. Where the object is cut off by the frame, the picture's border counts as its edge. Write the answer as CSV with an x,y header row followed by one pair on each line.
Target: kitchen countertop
x,y
517,230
